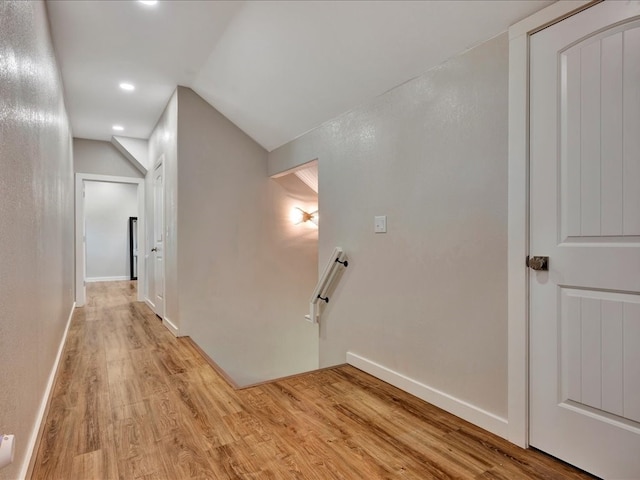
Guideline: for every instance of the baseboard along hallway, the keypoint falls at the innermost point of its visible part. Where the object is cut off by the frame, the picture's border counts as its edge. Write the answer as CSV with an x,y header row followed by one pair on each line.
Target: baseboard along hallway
x,y
132,401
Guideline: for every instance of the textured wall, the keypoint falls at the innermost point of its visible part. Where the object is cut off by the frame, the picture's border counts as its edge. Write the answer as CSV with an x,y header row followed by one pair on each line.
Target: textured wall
x,y
245,271
429,298
107,209
36,218
101,158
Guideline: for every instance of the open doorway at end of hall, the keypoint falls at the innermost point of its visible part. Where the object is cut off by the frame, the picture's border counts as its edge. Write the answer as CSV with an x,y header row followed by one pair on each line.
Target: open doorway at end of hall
x,y
104,208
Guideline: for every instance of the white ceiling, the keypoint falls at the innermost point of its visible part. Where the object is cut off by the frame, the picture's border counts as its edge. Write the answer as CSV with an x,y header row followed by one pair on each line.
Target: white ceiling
x,y
277,69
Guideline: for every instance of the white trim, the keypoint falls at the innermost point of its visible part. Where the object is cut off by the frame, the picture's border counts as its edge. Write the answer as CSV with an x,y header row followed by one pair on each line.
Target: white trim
x,y
518,213
550,15
44,403
79,231
518,245
165,321
79,228
291,170
451,404
107,279
171,326
115,141
150,304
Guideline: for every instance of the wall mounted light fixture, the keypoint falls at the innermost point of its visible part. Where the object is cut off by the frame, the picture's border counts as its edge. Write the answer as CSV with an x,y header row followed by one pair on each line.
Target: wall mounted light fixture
x,y
299,216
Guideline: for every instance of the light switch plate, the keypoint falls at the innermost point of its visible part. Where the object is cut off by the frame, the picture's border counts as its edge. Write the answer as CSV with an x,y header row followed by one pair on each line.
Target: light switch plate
x,y
380,224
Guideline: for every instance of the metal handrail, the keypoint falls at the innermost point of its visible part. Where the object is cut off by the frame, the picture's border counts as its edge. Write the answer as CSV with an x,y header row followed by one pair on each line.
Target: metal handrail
x,y
337,259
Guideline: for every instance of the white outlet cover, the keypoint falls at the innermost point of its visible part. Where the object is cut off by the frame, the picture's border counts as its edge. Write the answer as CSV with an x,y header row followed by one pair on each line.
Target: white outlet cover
x,y
380,224
7,450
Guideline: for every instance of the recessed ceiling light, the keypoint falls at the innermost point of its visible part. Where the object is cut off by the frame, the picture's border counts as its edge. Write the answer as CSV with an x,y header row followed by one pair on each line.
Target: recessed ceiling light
x,y
129,87
148,2
118,128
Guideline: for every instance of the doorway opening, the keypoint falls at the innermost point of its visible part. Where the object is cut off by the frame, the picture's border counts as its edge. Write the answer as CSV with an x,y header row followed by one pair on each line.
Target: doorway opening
x,y
104,205
301,183
302,209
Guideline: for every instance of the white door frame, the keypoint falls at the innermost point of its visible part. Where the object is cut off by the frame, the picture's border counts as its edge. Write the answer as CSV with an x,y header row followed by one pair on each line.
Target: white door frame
x,y
151,240
518,211
79,227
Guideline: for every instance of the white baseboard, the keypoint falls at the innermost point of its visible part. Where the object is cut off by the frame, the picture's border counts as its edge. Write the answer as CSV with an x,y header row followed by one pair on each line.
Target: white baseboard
x,y
150,304
107,279
170,325
44,403
165,321
451,404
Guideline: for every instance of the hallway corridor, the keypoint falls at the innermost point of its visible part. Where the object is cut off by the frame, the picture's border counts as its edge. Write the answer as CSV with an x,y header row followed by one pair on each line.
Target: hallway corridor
x,y
131,401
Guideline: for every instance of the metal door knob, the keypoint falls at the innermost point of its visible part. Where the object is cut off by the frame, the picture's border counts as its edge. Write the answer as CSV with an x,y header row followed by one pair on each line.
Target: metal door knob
x,y
538,263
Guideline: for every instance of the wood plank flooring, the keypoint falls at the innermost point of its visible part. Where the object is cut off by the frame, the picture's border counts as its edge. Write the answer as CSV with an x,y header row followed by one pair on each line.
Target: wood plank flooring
x,y
133,402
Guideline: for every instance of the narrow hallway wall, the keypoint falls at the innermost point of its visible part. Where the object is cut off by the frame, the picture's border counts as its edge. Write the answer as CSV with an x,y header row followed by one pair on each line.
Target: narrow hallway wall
x,y
36,221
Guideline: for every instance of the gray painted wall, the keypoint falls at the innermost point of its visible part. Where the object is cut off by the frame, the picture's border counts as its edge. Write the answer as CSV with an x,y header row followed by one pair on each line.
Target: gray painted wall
x,y
101,158
36,219
107,209
245,271
429,298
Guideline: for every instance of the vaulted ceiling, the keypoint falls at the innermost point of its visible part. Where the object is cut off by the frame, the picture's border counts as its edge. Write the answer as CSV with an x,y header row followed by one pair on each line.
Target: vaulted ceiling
x,y
277,69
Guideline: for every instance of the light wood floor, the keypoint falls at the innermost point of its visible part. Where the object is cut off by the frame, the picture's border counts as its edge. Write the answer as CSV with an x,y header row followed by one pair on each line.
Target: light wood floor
x,y
131,401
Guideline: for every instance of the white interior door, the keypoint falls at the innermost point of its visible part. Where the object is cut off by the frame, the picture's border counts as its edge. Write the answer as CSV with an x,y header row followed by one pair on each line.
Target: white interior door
x,y
158,239
585,215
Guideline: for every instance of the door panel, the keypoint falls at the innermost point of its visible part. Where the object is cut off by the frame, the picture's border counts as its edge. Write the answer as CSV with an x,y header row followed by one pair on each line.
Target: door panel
x,y
158,239
596,347
584,214
600,129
